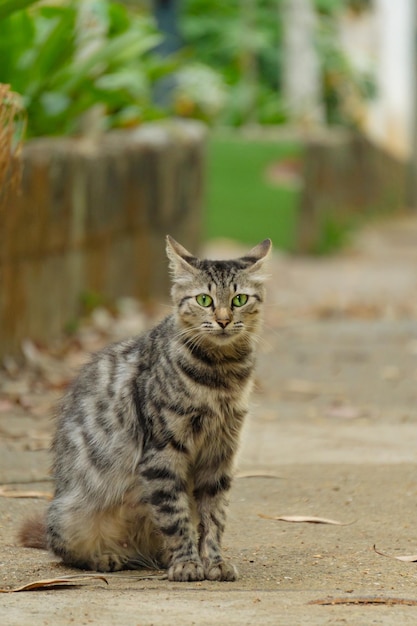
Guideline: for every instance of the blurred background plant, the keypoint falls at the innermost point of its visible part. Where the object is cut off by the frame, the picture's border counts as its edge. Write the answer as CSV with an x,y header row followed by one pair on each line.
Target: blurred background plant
x,y
64,67
66,57
242,40
87,66
344,87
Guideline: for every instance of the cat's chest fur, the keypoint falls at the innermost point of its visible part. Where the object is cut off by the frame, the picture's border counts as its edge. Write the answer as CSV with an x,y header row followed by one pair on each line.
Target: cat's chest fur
x,y
205,396
211,430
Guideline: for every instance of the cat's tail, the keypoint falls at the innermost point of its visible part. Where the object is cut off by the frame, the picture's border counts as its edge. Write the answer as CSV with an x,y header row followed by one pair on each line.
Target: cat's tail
x,y
32,533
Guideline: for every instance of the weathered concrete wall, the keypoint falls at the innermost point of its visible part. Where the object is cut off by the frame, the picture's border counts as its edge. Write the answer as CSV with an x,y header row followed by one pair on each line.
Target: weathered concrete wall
x,y
346,176
92,216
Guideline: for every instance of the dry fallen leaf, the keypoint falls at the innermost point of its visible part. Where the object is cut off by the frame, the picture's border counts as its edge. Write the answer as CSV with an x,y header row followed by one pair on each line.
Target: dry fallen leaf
x,y
257,474
16,388
391,372
12,493
301,387
126,575
54,373
412,558
50,583
37,444
304,518
365,600
6,405
344,411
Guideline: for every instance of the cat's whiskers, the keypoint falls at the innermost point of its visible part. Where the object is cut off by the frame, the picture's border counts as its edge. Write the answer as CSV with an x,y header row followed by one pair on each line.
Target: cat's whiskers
x,y
194,336
165,305
189,331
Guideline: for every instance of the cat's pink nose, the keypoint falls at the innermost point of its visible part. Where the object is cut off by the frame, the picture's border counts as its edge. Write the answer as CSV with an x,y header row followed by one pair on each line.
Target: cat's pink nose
x,y
223,323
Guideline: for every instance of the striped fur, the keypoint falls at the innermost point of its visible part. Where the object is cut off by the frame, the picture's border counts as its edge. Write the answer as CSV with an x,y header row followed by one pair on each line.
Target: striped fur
x,y
147,433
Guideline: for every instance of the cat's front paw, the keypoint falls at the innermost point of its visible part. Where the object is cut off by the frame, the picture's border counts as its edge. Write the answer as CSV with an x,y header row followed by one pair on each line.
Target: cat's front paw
x,y
186,571
220,571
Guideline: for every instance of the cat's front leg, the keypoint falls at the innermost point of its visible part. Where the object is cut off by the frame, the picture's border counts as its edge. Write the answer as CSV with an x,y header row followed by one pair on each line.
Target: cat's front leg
x,y
211,505
166,493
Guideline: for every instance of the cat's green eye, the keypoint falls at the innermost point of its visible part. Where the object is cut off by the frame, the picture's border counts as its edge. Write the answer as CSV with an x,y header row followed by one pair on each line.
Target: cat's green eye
x,y
240,299
204,299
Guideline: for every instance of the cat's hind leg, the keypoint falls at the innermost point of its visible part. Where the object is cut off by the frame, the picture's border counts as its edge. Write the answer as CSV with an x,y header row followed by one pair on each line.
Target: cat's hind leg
x,y
105,541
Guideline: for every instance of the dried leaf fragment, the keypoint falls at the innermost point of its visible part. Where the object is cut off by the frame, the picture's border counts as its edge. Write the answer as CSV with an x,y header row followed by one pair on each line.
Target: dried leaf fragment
x,y
412,558
6,405
365,600
304,518
301,387
12,493
50,583
257,474
344,412
157,575
391,372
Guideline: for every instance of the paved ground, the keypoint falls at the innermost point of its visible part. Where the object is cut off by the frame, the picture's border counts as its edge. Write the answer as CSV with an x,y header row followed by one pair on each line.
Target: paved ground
x,y
333,433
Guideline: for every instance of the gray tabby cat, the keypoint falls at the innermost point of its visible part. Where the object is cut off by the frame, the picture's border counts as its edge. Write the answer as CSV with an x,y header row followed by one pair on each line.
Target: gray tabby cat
x,y
147,433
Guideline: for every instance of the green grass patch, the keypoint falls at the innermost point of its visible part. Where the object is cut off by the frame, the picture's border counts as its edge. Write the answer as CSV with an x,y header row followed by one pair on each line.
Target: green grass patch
x,y
246,199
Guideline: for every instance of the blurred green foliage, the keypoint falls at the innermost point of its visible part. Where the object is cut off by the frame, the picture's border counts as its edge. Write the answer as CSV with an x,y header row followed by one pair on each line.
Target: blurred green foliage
x,y
242,40
42,58
230,71
7,7
344,87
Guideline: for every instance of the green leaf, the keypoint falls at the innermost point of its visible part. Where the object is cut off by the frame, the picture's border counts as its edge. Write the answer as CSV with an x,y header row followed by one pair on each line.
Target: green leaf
x,y
116,52
55,49
131,81
17,35
54,103
42,58
8,7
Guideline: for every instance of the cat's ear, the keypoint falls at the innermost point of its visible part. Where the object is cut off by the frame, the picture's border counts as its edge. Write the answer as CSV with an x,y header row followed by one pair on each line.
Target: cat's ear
x,y
261,251
256,258
180,260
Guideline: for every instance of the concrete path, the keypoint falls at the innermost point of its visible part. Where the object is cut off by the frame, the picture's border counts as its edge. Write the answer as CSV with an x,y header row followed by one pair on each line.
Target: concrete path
x,y
333,434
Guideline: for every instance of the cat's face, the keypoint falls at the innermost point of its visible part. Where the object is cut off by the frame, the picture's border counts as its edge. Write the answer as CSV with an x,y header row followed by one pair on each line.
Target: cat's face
x,y
218,300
